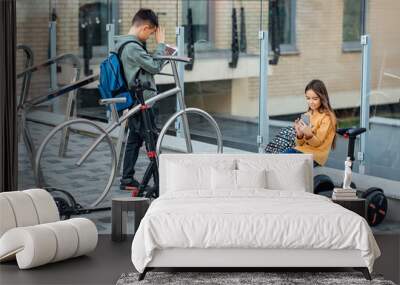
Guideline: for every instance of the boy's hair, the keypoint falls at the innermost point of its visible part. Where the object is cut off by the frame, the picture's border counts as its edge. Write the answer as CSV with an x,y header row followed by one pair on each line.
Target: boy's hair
x,y
145,16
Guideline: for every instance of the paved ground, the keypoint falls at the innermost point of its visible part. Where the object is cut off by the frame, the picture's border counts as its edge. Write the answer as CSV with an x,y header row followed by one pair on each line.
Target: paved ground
x,y
87,182
84,183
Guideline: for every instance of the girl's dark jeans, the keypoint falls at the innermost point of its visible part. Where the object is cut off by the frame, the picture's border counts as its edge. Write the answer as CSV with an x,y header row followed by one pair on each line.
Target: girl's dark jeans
x,y
293,150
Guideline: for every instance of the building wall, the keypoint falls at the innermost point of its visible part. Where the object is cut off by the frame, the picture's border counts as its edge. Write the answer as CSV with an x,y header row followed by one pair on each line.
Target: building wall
x,y
223,22
318,40
68,25
168,21
384,29
32,30
320,55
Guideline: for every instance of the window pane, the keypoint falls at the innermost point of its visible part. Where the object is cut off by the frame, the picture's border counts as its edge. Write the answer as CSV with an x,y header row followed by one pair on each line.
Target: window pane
x,y
199,11
92,24
351,20
285,21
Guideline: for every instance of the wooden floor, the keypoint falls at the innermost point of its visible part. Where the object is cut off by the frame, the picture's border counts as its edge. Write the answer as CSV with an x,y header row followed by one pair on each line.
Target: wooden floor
x,y
388,264
103,266
110,259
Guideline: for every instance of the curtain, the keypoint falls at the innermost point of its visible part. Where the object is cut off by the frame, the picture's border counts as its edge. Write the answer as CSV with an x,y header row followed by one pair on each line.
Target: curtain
x,y
8,104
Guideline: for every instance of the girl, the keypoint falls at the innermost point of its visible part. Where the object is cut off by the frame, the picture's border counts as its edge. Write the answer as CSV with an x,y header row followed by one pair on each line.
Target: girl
x,y
318,135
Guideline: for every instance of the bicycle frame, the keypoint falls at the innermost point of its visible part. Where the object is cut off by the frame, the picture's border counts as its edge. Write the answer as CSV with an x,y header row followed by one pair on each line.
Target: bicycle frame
x,y
105,132
177,90
24,105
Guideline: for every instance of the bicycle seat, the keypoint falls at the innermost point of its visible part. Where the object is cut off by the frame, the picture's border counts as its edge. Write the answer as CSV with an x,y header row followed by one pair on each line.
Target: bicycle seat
x,y
350,132
109,101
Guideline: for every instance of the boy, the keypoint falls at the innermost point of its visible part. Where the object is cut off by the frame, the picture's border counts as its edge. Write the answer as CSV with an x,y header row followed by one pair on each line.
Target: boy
x,y
137,62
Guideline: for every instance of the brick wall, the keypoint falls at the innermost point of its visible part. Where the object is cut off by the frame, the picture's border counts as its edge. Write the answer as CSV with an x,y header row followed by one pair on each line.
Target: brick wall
x,y
320,55
32,30
318,39
68,25
319,45
384,29
223,22
129,8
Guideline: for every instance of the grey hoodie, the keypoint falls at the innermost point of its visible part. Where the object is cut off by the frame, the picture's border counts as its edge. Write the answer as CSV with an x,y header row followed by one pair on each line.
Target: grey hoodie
x,y
134,56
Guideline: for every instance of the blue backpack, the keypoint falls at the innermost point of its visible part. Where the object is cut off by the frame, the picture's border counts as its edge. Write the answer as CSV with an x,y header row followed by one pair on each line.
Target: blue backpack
x,y
112,82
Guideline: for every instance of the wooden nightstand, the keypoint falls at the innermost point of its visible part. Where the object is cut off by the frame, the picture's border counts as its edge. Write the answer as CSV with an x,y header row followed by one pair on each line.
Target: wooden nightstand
x,y
357,205
119,215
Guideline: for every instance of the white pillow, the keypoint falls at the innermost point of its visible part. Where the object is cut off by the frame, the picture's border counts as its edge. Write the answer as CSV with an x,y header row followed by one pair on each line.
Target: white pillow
x,y
278,179
188,176
251,178
283,173
227,179
223,179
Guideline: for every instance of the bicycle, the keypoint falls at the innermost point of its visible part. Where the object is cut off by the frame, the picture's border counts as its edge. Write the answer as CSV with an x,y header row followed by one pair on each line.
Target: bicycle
x,y
25,104
80,125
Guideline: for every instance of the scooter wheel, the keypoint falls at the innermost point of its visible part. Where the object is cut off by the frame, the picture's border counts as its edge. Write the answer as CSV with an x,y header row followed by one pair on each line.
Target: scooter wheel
x,y
323,183
377,205
64,208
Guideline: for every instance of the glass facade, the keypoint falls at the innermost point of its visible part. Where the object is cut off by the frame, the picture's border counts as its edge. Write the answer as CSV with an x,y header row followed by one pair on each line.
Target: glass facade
x,y
223,80
382,156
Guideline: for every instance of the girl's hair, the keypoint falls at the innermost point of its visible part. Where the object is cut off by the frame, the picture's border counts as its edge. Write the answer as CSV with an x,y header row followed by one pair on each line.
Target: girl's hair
x,y
319,88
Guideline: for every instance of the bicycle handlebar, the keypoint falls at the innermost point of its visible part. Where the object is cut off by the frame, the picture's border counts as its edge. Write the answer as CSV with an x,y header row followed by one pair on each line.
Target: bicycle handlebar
x,y
75,61
27,49
63,90
173,58
27,76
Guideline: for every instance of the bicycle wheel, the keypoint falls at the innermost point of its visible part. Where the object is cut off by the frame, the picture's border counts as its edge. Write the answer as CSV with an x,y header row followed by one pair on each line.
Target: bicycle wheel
x,y
89,182
208,118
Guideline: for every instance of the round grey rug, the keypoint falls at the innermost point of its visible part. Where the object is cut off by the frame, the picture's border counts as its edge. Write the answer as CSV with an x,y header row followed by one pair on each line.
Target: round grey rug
x,y
242,278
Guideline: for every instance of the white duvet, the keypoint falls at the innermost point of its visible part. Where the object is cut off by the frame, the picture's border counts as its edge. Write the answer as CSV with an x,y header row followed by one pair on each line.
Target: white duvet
x,y
250,218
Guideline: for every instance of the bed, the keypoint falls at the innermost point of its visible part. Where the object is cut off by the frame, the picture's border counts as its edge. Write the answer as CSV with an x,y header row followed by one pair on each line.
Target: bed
x,y
232,210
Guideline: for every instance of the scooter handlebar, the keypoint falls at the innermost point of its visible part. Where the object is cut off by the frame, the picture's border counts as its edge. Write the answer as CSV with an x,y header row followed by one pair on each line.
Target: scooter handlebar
x,y
350,132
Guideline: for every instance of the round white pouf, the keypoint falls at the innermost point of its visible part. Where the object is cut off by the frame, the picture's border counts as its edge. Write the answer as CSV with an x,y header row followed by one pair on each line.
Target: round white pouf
x,y
6,215
40,244
45,206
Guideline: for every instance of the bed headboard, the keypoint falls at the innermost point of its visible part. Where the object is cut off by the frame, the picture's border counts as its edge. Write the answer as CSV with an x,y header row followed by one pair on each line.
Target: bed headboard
x,y
286,171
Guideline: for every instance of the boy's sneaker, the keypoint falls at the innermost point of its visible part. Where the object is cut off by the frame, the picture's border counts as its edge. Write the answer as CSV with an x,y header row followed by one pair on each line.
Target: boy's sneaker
x,y
129,184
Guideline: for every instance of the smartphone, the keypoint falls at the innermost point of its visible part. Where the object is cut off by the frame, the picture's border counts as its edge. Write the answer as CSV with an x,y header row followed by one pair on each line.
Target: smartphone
x,y
305,118
170,50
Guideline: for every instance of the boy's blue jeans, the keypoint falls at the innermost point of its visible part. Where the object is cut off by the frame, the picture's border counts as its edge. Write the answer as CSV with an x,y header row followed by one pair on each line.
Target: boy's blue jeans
x,y
133,144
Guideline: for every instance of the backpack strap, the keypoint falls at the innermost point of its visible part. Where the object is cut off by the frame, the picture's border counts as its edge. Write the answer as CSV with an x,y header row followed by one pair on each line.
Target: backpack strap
x,y
121,48
119,53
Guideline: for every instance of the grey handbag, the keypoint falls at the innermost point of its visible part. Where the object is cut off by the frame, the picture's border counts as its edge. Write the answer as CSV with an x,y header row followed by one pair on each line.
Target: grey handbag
x,y
286,138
